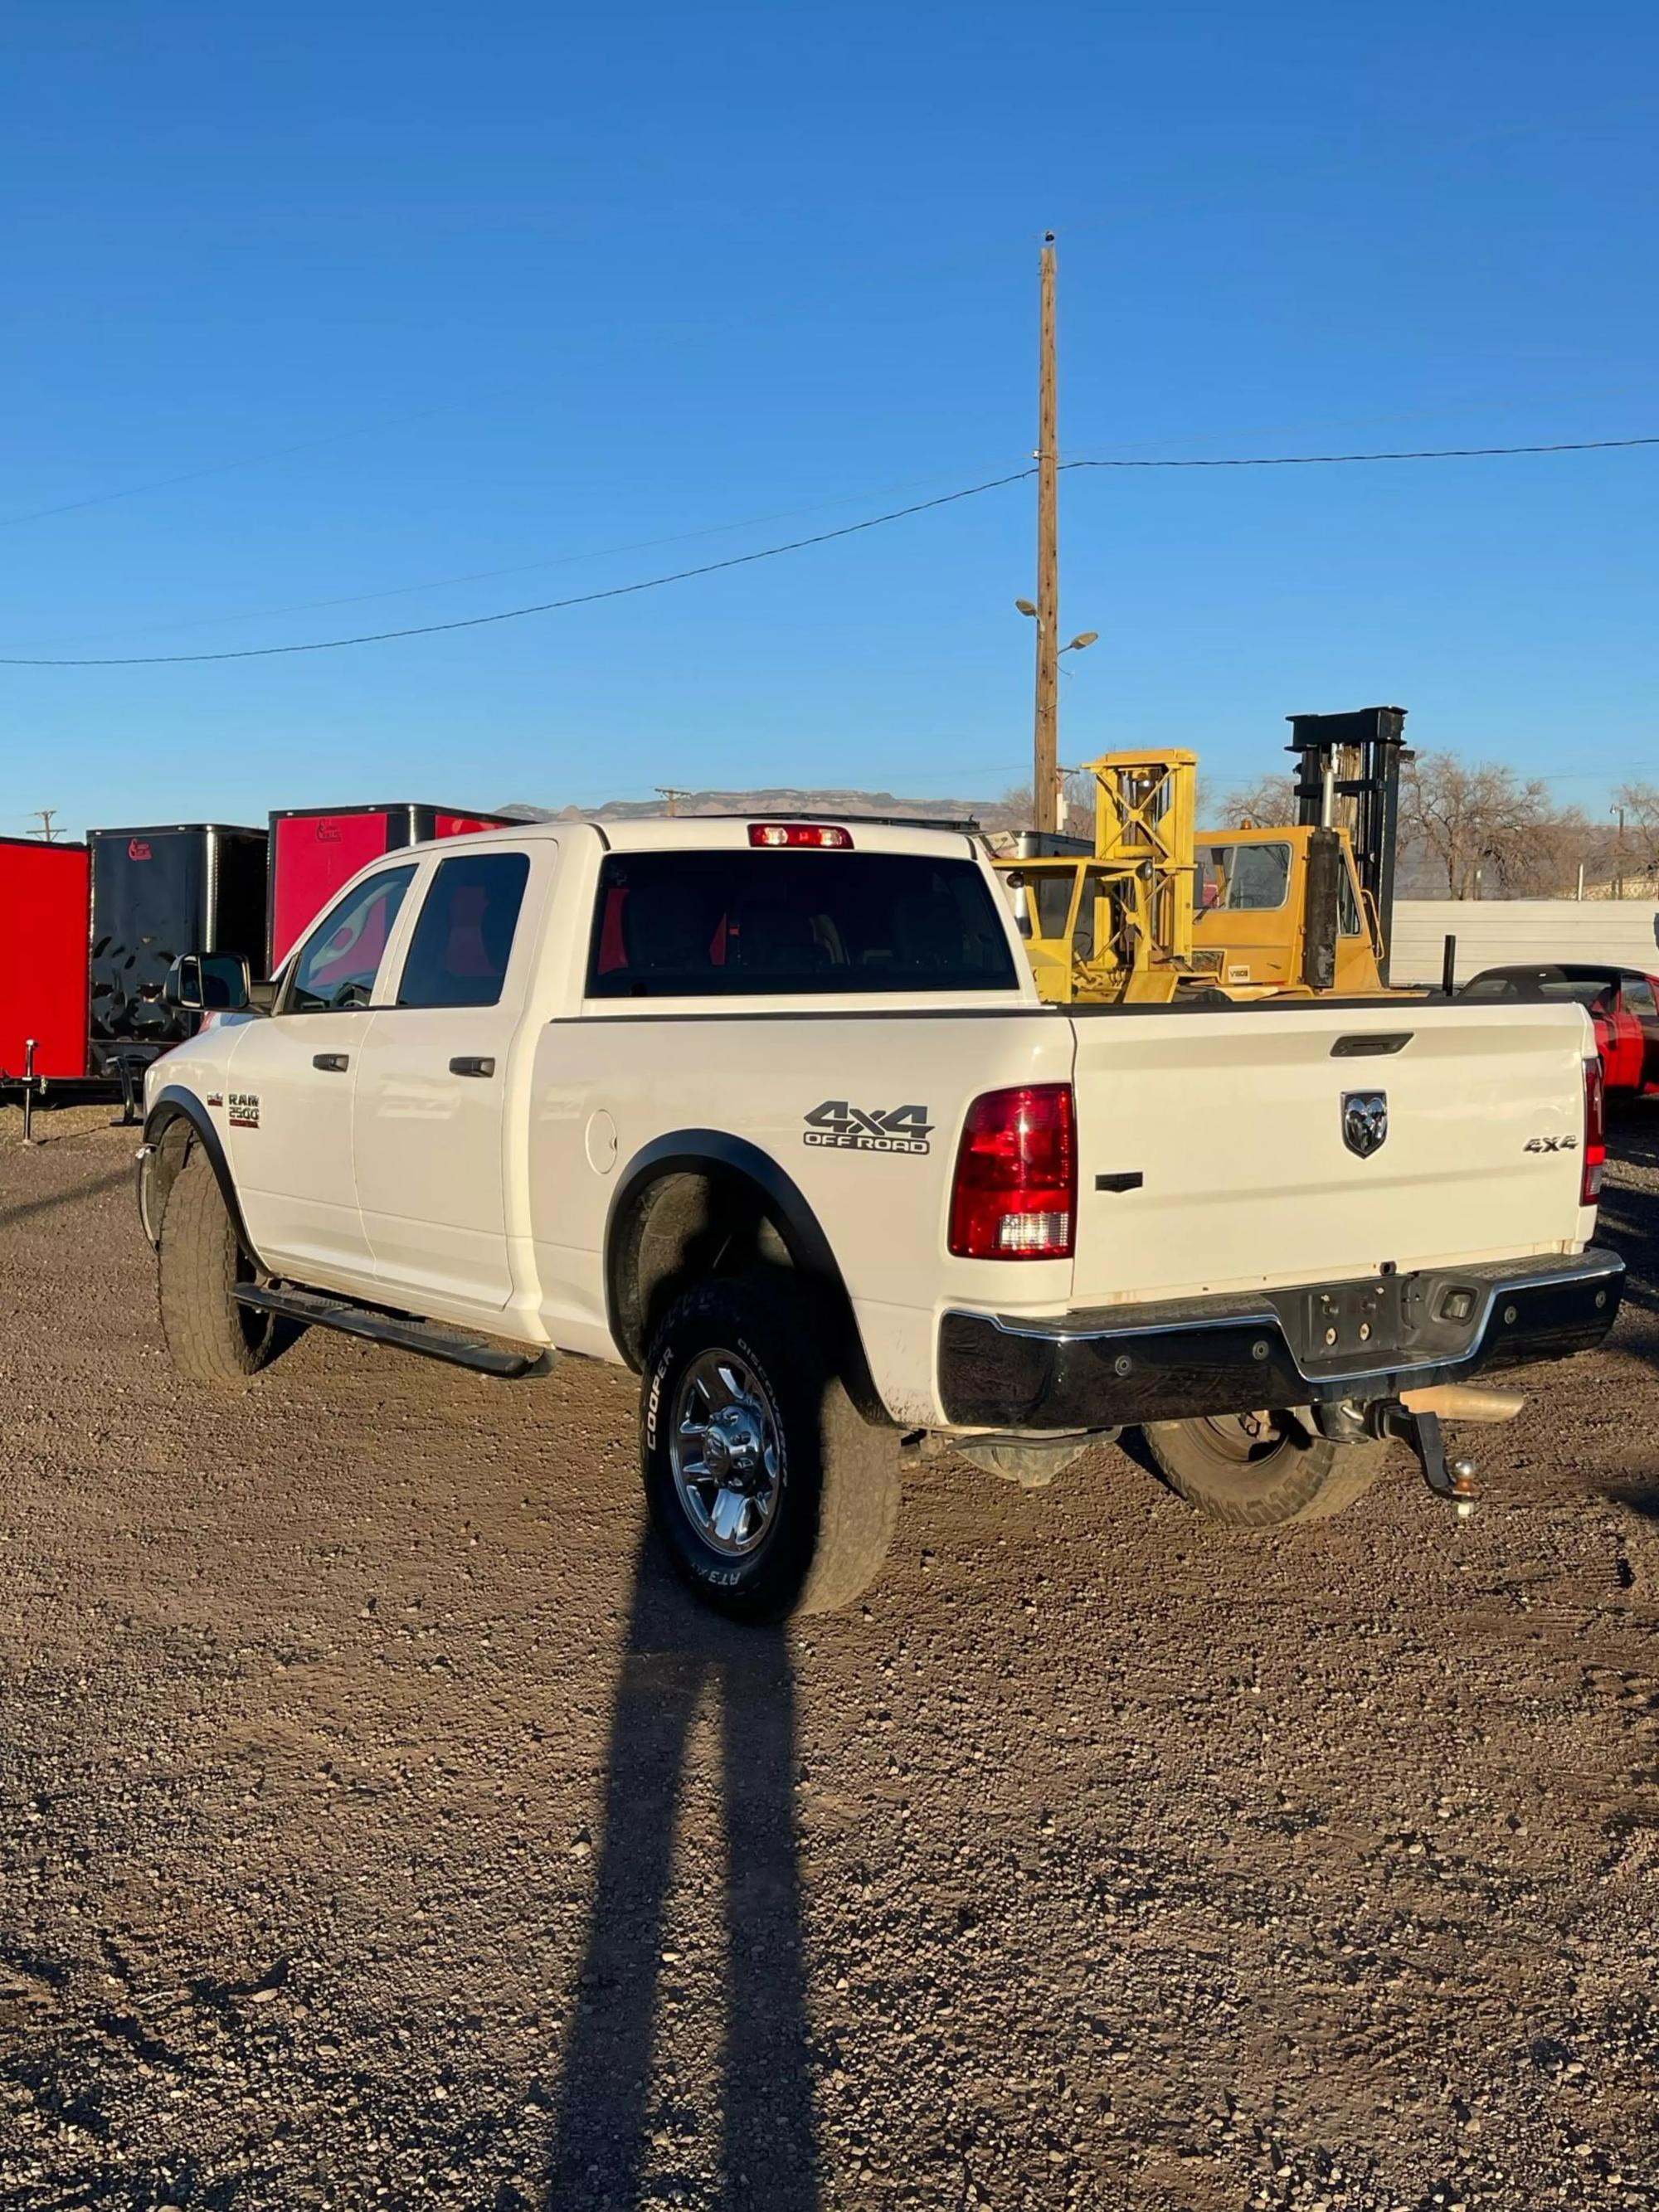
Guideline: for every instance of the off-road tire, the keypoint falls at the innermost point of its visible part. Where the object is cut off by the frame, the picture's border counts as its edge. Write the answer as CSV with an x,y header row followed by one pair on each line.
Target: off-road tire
x,y
1296,1475
839,1477
213,1340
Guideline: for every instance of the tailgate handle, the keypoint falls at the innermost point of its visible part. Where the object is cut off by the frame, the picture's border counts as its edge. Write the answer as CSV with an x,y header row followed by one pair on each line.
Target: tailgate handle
x,y
331,1063
472,1064
1131,1179
1371,1048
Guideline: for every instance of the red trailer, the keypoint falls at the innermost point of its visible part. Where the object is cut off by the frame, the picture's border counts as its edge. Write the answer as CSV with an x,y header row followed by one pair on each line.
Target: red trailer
x,y
315,849
44,900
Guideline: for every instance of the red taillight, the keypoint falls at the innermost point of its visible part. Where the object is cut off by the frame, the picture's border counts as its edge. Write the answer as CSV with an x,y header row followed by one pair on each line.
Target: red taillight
x,y
825,836
1596,1134
1015,1193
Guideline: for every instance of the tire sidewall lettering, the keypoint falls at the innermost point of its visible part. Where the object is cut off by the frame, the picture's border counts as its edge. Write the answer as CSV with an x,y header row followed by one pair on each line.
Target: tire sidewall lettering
x,y
695,1336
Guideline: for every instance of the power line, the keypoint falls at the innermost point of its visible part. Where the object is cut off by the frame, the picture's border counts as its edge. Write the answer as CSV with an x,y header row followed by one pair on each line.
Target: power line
x,y
543,607
800,544
1330,460
516,568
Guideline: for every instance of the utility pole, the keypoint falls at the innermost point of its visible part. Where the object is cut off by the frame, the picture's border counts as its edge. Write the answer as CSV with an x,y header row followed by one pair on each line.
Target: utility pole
x,y
46,829
673,794
1618,878
1046,785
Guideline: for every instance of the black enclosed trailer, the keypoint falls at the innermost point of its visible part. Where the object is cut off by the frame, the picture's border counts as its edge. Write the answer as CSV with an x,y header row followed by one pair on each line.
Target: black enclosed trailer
x,y
189,887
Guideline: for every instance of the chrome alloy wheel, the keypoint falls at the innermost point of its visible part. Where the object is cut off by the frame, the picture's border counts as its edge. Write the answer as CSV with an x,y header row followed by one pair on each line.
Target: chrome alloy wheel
x,y
723,1448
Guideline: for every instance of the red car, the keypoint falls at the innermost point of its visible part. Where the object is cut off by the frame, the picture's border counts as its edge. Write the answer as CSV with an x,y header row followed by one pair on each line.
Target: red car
x,y
1622,1002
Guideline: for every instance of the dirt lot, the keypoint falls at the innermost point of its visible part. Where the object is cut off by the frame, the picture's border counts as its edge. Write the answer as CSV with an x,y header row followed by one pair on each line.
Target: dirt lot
x,y
378,1826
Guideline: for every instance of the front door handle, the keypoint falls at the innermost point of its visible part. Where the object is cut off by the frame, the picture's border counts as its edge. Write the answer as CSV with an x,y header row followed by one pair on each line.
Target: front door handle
x,y
472,1064
331,1063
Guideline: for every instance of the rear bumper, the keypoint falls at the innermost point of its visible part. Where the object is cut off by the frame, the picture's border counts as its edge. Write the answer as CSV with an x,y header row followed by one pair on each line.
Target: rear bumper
x,y
1119,1366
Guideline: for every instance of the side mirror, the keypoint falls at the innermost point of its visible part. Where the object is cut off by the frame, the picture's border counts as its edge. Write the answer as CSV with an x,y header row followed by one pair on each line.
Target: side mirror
x,y
208,982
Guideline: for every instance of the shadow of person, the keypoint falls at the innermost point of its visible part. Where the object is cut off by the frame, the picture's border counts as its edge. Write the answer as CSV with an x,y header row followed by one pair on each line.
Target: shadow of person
x,y
677,1656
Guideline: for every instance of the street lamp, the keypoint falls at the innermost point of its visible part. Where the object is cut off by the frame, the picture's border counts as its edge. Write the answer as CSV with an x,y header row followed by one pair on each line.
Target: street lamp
x,y
1084,637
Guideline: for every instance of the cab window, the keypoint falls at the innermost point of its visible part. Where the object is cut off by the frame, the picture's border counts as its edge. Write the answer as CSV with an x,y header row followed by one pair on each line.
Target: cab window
x,y
337,964
1347,905
718,923
463,936
1244,879
1051,895
1638,997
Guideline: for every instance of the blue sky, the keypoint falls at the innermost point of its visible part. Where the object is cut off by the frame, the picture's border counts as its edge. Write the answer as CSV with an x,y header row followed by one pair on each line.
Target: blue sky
x,y
528,284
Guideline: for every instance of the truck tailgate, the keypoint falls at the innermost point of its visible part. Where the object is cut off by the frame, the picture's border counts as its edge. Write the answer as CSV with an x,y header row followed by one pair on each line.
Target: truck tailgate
x,y
1235,1123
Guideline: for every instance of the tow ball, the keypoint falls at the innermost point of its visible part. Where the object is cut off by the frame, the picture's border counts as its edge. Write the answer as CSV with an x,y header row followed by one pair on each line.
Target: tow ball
x,y
1453,1480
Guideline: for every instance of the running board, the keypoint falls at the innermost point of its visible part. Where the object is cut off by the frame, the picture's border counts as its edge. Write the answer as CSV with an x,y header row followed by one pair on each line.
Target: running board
x,y
429,1338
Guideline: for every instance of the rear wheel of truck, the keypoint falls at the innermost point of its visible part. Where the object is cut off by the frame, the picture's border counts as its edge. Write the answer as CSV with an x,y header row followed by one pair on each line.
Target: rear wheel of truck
x,y
770,1493
212,1339
1261,1470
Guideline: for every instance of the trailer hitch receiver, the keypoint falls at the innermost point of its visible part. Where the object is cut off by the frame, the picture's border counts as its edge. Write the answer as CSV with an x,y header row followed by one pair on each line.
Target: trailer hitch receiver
x,y
1451,1480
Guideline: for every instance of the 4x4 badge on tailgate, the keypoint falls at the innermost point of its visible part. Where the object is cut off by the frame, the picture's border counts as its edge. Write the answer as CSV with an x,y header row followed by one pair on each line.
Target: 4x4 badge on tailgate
x,y
868,1129
1364,1121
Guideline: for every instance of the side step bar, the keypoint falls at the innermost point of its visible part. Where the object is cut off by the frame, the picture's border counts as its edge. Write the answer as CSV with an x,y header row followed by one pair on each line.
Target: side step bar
x,y
430,1337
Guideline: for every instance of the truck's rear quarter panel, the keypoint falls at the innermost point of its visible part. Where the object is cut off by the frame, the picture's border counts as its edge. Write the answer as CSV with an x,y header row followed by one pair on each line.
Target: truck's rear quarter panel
x,y
760,1078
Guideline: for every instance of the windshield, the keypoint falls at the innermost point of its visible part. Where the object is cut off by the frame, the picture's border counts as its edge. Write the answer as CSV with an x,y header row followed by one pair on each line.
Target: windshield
x,y
1244,879
1591,991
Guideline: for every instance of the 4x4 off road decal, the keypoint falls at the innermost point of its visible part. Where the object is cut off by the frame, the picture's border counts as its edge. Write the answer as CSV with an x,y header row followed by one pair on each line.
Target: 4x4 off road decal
x,y
868,1129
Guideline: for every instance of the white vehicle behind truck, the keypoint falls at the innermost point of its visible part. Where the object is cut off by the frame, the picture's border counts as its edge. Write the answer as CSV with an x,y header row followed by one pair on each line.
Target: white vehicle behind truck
x,y
770,1112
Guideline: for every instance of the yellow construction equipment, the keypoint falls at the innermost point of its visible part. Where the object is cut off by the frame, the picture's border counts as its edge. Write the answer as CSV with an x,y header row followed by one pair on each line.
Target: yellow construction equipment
x,y
1151,910
1114,921
1253,906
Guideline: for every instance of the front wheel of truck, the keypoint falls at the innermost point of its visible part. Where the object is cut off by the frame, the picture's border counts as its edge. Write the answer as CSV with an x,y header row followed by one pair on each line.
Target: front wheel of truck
x,y
1261,1470
771,1493
213,1340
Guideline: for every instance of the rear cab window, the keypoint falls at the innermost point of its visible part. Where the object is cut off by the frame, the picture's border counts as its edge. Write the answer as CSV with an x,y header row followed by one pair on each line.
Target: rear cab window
x,y
746,924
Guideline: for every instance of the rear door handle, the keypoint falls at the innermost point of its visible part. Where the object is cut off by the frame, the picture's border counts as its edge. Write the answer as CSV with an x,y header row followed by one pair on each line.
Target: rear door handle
x,y
472,1064
331,1063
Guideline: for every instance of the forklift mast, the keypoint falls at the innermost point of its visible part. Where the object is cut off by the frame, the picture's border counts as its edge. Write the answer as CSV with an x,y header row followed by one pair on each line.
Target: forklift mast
x,y
1356,756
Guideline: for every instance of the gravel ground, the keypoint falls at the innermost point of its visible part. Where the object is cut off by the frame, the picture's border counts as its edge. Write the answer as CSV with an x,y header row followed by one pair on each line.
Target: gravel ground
x,y
377,1825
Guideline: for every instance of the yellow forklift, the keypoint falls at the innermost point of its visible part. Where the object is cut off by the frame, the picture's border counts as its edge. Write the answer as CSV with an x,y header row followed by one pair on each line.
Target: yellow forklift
x,y
1152,909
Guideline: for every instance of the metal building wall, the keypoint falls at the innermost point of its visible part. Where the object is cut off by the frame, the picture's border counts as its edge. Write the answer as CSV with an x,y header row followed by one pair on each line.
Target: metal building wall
x,y
1495,933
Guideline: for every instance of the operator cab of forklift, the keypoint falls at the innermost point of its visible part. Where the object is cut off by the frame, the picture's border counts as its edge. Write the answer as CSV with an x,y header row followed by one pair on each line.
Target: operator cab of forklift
x,y
1253,892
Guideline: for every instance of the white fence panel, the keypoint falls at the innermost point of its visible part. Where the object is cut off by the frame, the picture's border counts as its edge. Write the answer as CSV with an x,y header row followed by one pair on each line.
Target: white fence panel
x,y
1498,933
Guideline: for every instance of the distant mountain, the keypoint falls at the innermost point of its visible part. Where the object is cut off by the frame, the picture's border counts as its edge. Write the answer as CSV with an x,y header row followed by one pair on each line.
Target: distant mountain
x,y
989,813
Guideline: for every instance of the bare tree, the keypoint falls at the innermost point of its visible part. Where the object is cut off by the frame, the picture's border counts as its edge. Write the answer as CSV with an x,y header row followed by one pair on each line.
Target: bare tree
x,y
1469,829
1015,811
1633,854
1264,805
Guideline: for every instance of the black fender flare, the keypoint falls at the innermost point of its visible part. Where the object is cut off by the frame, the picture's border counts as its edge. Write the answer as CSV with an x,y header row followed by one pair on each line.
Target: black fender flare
x,y
175,1103
703,1152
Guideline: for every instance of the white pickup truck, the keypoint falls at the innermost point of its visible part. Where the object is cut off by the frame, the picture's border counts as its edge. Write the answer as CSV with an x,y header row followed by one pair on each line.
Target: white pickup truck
x,y
771,1112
